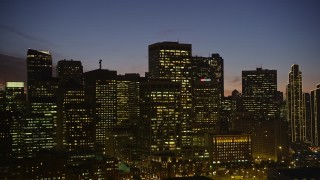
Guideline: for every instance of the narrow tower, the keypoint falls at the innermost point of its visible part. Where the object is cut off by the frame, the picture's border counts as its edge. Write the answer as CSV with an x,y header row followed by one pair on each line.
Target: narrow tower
x,y
297,125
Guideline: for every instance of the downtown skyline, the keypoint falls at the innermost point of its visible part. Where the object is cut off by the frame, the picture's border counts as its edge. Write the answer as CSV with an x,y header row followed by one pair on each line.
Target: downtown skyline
x,y
99,113
272,35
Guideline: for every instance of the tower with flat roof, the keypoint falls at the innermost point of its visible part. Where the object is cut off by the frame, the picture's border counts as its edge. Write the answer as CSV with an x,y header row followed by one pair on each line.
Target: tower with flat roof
x,y
172,61
259,92
42,103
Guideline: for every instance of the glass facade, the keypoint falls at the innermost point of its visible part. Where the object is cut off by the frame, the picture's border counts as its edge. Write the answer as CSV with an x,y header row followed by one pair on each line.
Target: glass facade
x,y
172,61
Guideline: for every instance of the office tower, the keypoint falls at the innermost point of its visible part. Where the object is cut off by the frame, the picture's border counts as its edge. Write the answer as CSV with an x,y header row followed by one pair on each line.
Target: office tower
x,y
42,107
206,105
306,114
297,127
216,65
39,68
69,69
172,60
259,92
101,93
123,138
75,119
160,116
15,103
128,107
14,97
206,95
315,116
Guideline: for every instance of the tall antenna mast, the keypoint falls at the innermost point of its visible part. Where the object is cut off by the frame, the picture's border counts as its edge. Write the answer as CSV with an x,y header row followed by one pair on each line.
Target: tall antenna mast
x,y
100,64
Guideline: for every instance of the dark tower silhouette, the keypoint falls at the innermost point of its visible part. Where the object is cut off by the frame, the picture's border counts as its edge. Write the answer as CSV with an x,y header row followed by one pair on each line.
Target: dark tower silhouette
x,y
42,119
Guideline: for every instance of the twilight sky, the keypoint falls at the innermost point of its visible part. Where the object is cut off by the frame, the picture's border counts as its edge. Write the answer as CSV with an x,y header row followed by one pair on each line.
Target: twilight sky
x,y
273,34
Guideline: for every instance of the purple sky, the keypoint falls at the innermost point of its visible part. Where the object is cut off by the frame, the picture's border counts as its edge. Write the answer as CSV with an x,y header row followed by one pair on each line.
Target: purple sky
x,y
247,34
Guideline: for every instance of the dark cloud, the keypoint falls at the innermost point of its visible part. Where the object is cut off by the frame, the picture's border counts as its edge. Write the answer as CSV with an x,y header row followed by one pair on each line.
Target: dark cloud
x,y
12,69
26,36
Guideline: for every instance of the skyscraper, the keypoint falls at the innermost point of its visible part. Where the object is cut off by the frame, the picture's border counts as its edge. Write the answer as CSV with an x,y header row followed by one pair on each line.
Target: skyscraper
x,y
101,93
14,97
259,89
160,116
128,98
15,103
75,119
216,65
297,130
315,116
39,68
206,92
124,136
172,61
69,69
42,106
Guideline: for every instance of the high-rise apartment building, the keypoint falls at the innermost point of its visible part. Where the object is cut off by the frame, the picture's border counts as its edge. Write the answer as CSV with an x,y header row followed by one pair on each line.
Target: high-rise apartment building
x,y
297,125
41,122
259,92
172,61
315,116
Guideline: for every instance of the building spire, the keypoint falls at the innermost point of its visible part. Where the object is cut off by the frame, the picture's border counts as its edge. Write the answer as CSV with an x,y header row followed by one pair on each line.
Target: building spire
x,y
100,63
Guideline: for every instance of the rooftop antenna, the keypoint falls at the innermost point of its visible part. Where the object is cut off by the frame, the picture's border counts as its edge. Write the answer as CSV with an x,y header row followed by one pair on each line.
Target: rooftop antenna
x,y
100,64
